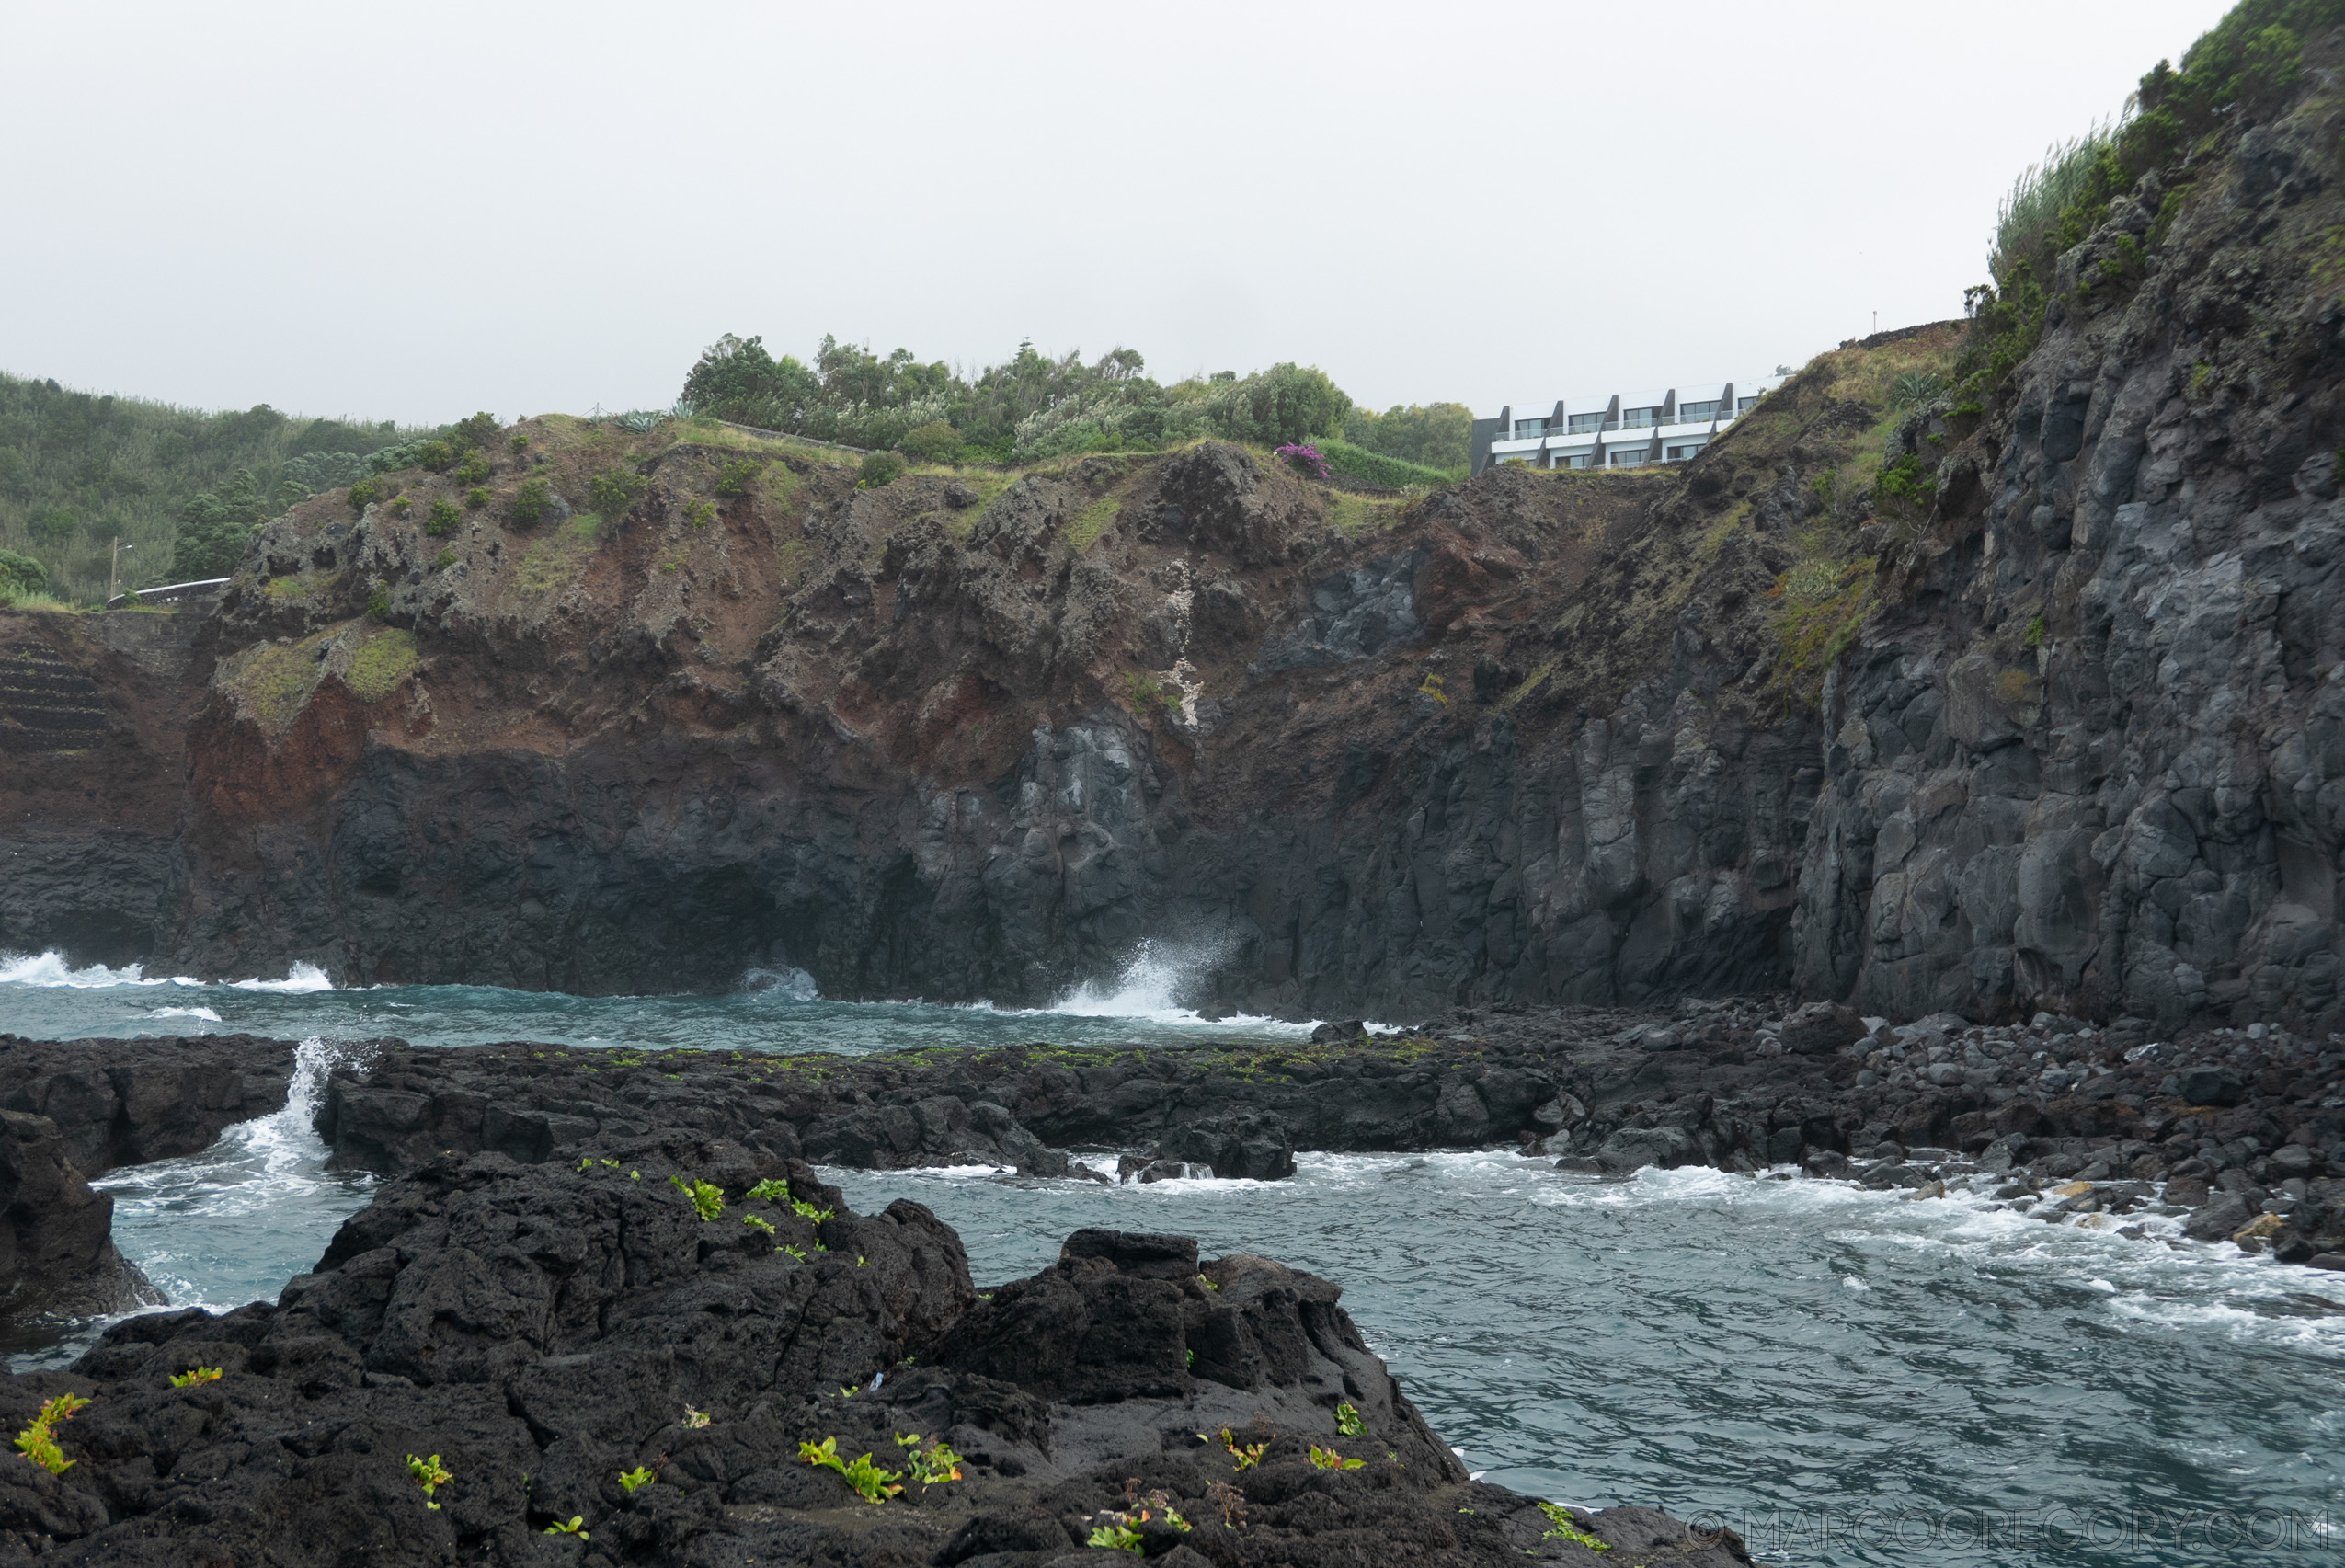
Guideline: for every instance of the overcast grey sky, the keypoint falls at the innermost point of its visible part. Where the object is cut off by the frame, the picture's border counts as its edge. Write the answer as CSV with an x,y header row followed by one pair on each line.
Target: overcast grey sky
x,y
417,211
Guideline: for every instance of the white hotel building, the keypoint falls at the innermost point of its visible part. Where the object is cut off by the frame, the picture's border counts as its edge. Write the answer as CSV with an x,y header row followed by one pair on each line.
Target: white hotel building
x,y
1626,430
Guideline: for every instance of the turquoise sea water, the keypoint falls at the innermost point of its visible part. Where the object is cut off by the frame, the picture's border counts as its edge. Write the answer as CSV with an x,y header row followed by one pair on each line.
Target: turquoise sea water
x,y
1846,1377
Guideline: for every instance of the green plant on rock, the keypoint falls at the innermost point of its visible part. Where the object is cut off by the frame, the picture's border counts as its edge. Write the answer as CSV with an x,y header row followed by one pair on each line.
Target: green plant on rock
x,y
1247,1457
195,1375
872,1483
2033,636
477,498
1431,687
429,1475
1114,1536
529,502
378,603
880,469
1568,1528
518,442
445,515
1905,480
795,1251
931,1466
615,490
573,1527
401,506
631,1480
1327,1458
37,1441
696,1419
473,470
699,514
362,494
765,1225
438,456
708,1200
738,478
446,558
1347,1420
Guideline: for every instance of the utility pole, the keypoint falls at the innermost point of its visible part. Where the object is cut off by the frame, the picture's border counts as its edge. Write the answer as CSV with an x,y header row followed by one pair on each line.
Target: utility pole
x,y
114,576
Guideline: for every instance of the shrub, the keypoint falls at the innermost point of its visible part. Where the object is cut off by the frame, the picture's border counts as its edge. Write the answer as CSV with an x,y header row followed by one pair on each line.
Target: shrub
x,y
520,442
378,603
935,441
21,574
474,432
1915,388
880,468
446,558
477,498
735,478
438,456
617,489
362,494
1904,480
1303,458
529,502
445,515
401,506
473,470
699,514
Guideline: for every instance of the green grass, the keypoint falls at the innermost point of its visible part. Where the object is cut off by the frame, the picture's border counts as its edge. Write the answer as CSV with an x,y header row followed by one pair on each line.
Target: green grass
x,y
40,603
1091,522
1377,469
382,661
275,680
1352,516
300,585
556,560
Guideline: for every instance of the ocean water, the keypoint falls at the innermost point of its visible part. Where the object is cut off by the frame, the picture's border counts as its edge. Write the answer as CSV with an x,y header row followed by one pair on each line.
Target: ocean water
x,y
1845,1377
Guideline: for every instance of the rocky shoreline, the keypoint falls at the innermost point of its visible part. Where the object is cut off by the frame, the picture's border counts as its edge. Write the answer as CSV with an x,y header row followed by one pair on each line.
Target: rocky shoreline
x,y
574,1240
626,1349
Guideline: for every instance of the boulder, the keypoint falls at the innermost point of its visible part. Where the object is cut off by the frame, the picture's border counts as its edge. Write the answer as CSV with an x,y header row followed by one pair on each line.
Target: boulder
x,y
57,1256
1821,1026
2211,1086
2219,1219
1633,1149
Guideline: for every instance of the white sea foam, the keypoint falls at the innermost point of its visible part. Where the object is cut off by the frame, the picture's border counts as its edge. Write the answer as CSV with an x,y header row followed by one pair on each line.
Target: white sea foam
x,y
49,970
203,1013
793,984
1151,986
302,977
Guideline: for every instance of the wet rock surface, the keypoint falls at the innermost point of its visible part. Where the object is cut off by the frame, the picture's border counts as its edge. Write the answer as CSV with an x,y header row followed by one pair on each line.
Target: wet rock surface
x,y
77,1109
620,1360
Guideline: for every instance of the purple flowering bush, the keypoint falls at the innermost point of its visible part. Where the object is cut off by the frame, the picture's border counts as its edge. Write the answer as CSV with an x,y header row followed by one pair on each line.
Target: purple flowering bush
x,y
1304,459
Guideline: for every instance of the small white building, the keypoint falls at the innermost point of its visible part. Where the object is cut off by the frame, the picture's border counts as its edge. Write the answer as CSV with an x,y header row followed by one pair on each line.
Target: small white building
x,y
1620,431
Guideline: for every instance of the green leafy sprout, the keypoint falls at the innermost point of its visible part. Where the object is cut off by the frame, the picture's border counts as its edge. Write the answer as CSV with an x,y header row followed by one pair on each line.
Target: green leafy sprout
x,y
577,1520
1327,1458
707,1198
194,1376
429,1475
931,1466
872,1483
696,1419
631,1479
37,1441
1347,1420
1568,1528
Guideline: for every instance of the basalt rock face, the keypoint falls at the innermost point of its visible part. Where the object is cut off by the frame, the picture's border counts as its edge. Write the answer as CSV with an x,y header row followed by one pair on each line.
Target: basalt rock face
x,y
79,1108
57,1256
532,1334
128,1102
2090,758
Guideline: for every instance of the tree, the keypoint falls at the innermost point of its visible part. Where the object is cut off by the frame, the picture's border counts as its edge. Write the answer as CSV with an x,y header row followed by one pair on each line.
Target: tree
x,y
21,574
214,529
736,379
1439,435
1285,403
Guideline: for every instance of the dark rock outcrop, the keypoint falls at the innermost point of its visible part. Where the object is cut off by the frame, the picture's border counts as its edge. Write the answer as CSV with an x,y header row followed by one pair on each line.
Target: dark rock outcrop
x,y
591,1348
57,1256
128,1102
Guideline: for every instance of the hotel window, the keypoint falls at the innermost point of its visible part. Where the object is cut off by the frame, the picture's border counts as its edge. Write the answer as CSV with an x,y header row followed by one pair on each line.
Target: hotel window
x,y
1528,429
1697,413
1626,456
1744,405
1679,454
1576,423
1638,418
1573,460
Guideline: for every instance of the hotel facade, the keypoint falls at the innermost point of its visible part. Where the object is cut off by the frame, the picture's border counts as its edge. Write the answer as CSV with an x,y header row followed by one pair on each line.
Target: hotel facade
x,y
1624,431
